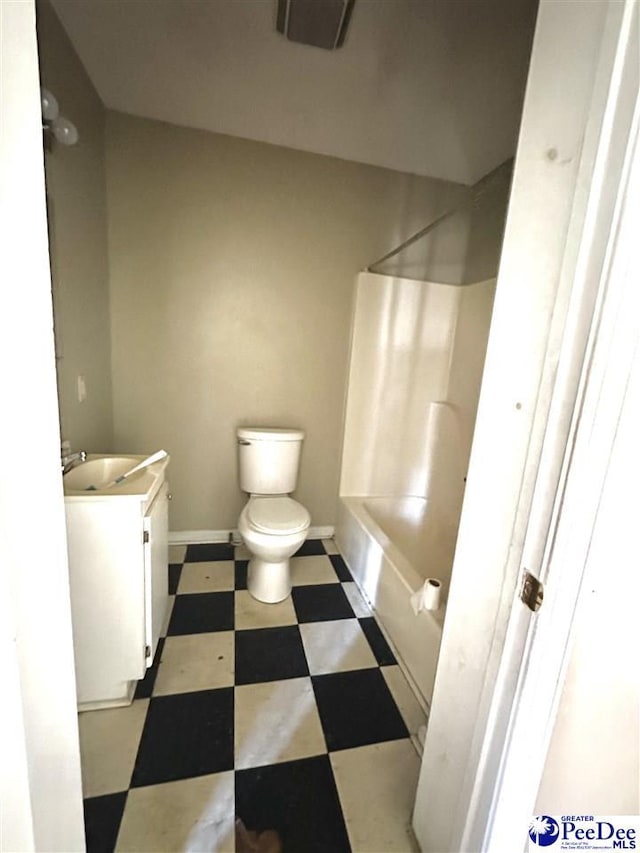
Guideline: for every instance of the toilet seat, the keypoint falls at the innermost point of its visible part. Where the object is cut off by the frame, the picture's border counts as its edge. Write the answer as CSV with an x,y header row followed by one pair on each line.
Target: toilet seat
x,y
277,515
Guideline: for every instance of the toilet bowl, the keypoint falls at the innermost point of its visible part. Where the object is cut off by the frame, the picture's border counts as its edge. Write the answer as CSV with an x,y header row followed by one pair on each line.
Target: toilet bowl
x,y
272,528
272,525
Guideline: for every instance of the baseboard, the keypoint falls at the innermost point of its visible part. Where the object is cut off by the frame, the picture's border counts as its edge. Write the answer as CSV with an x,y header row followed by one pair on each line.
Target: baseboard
x,y
321,532
200,537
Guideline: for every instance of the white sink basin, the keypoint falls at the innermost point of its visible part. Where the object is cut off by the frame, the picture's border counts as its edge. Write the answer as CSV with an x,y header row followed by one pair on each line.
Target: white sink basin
x,y
100,472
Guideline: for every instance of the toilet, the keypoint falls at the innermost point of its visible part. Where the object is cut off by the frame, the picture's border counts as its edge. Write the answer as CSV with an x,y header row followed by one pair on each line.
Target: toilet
x,y
272,525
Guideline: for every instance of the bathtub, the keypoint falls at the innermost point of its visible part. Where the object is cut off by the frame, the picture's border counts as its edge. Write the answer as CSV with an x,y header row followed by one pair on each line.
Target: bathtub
x,y
391,545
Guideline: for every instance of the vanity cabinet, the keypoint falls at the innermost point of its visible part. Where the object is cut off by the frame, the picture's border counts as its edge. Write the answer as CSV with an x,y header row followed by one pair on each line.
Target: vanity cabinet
x,y
118,574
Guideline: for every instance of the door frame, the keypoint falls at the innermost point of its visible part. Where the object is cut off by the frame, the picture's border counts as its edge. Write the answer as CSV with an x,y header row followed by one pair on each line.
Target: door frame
x,y
594,371
556,285
40,771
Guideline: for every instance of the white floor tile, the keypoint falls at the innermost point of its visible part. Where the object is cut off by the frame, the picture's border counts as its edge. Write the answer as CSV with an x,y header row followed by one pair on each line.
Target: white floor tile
x,y
377,786
251,613
330,546
108,746
357,602
276,721
336,646
312,570
188,815
167,617
177,553
411,710
214,576
196,662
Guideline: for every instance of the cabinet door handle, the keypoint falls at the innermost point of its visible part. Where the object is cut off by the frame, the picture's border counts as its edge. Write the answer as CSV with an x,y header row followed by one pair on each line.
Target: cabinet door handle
x,y
169,496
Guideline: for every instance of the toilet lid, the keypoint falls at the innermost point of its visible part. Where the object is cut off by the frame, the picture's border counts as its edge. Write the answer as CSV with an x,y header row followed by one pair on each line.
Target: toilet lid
x,y
277,515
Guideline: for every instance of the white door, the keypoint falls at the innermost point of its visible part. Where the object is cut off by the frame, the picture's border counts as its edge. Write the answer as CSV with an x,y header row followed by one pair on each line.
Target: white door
x,y
553,321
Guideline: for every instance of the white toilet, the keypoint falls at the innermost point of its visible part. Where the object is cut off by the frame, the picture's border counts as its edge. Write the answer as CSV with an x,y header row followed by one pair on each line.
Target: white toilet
x,y
272,525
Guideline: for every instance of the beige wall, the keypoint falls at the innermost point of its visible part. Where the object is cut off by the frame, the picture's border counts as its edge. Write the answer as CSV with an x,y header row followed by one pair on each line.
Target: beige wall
x,y
78,239
464,247
232,270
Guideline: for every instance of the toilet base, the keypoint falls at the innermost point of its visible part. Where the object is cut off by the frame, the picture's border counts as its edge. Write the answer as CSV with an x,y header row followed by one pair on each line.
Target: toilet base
x,y
269,582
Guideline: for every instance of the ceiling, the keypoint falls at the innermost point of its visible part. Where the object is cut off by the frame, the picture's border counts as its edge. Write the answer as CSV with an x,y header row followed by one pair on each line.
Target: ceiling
x,y
432,87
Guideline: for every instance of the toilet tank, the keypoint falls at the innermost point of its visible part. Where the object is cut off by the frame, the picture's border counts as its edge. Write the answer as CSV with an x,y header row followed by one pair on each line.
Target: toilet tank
x,y
268,460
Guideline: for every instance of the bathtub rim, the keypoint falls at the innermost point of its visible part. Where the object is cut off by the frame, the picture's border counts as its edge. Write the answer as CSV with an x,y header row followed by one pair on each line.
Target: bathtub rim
x,y
411,579
415,639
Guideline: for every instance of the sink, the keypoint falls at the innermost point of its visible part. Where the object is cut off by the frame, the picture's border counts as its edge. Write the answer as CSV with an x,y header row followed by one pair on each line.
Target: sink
x,y
117,549
101,471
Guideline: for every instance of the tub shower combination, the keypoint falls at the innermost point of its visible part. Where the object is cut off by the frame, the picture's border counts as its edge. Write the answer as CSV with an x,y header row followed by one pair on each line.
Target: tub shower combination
x,y
417,356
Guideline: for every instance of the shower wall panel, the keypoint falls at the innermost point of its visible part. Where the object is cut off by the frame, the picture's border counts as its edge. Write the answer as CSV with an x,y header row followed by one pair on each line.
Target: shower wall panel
x,y
416,363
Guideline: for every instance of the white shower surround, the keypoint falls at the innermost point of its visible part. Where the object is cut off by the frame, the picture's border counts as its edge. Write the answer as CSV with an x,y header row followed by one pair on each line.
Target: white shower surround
x,y
416,364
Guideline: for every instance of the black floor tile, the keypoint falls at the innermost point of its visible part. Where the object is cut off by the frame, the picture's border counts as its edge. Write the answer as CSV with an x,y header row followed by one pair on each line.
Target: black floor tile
x,y
213,551
188,734
310,548
340,567
356,708
299,800
202,612
241,567
174,577
321,602
379,645
269,654
102,816
144,688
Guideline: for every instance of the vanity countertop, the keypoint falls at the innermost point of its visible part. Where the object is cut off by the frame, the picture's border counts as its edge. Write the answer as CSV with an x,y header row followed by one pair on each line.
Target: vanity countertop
x,y
141,486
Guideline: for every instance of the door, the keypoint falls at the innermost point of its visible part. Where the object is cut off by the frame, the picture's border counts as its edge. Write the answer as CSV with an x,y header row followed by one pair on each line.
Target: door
x,y
567,535
553,318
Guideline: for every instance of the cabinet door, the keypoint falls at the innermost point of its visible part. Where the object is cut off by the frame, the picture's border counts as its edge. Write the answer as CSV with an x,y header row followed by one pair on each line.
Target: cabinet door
x,y
156,569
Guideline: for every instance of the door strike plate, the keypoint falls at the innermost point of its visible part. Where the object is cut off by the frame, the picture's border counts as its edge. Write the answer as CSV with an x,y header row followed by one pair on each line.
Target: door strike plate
x,y
532,592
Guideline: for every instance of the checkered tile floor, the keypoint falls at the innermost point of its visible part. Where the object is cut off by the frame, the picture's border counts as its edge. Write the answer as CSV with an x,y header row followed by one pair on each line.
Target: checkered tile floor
x,y
293,717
